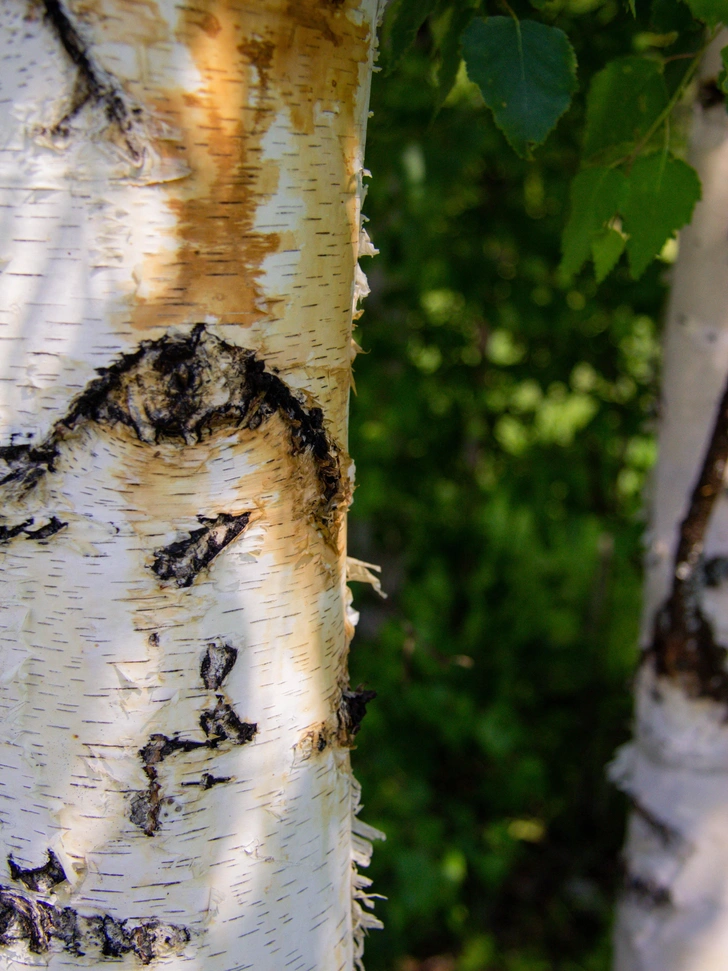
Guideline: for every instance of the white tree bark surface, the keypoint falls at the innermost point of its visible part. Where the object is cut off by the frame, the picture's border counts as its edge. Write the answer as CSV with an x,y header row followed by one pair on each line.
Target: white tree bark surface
x,y
674,912
180,193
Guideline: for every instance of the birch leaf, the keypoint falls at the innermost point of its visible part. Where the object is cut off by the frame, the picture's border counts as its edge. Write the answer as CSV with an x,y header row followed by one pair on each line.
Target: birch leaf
x,y
624,99
596,196
453,23
606,250
526,72
722,79
711,12
660,198
403,21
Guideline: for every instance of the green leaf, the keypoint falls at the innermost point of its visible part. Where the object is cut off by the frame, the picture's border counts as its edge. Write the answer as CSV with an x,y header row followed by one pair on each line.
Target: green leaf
x,y
606,250
624,99
596,197
526,72
404,19
448,32
669,15
661,194
722,79
712,12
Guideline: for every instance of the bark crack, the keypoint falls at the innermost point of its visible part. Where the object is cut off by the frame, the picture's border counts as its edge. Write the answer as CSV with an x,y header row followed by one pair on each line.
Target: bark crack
x,y
93,86
684,647
648,892
208,781
667,834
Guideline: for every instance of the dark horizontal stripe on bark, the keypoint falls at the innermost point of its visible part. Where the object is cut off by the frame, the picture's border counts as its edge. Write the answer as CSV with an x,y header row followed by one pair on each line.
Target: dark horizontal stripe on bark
x,y
40,923
53,526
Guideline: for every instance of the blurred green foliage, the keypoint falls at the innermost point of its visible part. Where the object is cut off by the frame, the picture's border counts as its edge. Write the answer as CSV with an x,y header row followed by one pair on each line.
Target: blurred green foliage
x,y
502,431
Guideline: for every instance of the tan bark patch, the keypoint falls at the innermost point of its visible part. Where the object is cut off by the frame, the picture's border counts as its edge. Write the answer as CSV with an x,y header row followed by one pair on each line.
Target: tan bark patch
x,y
253,66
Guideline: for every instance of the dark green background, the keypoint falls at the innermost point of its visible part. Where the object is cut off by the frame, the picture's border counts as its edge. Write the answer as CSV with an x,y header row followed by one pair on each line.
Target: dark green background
x,y
502,431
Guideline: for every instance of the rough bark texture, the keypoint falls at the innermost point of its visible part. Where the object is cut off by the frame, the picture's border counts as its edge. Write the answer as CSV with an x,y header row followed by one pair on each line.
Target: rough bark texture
x,y
180,193
674,912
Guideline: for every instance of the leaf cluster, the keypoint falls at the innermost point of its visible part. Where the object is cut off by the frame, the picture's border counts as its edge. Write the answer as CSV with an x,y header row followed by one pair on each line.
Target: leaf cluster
x,y
632,191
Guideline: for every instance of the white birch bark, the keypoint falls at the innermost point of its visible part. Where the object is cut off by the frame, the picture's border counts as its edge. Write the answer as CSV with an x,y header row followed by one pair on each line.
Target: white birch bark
x,y
674,911
180,192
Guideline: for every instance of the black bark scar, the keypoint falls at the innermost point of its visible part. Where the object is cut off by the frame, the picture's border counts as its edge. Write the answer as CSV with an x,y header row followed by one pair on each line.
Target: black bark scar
x,y
216,664
183,560
666,833
41,878
219,724
684,646
647,891
710,94
93,84
53,526
10,532
177,389
146,805
40,923
352,709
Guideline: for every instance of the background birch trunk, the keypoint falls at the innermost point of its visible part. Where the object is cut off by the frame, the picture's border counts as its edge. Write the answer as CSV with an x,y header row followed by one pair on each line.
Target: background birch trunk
x,y
180,191
674,913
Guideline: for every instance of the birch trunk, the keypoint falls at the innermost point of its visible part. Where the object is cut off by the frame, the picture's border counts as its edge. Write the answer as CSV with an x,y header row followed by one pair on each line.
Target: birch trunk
x,y
674,912
180,191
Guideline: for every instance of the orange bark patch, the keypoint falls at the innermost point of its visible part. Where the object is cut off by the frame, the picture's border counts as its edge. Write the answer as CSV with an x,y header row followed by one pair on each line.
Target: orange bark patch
x,y
254,63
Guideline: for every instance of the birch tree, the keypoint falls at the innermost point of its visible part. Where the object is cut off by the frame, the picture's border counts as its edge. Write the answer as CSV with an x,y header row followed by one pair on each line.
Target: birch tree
x,y
181,191
674,912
